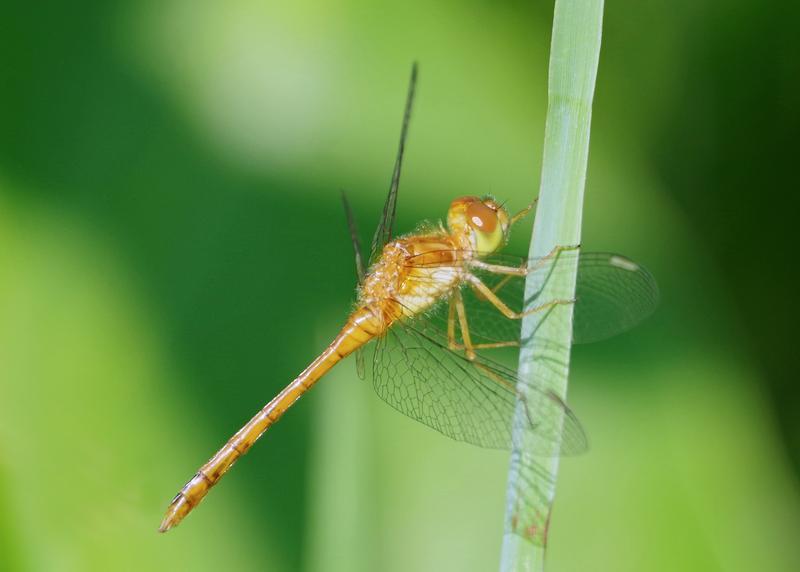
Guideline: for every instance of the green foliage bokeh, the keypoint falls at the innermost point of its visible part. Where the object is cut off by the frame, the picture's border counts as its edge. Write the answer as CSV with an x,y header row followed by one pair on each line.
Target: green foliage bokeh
x,y
173,252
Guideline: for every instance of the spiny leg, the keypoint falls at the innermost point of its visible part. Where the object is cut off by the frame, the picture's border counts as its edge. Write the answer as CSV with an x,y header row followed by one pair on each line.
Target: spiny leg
x,y
469,351
452,341
523,213
457,309
491,297
500,381
497,287
493,345
451,325
523,270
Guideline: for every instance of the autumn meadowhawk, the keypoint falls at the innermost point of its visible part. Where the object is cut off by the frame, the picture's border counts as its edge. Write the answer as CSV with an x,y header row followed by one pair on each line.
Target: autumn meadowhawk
x,y
438,305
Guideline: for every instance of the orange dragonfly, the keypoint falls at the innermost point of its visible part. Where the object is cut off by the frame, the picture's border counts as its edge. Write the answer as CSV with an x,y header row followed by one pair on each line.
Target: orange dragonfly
x,y
436,301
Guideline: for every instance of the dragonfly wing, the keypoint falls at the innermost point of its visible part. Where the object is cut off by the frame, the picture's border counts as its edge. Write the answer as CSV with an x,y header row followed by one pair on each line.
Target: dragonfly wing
x,y
361,369
351,226
384,231
415,372
613,294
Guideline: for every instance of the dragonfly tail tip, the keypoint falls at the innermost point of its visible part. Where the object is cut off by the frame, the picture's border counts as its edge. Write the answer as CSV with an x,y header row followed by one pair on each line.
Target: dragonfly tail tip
x,y
178,508
166,524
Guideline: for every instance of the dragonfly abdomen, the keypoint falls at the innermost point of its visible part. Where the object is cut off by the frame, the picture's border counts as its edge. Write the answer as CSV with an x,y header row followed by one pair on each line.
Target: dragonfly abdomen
x,y
363,325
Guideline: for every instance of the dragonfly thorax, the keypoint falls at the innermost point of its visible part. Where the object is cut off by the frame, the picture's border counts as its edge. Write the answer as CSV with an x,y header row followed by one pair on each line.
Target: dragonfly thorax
x,y
412,274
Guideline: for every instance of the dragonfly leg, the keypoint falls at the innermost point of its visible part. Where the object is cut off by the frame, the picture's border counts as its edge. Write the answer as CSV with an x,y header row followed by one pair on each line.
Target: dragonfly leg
x,y
487,346
503,282
451,326
523,270
457,311
495,345
500,381
496,288
469,351
491,297
523,213
558,249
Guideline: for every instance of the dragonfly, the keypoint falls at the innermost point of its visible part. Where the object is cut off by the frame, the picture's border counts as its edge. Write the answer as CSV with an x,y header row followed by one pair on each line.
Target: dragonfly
x,y
435,304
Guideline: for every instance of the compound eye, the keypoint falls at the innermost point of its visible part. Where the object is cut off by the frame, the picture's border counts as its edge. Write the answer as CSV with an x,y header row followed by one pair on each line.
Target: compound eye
x,y
481,217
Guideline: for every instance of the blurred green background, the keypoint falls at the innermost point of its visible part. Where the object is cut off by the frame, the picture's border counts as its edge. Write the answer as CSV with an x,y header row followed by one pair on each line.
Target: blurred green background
x,y
173,252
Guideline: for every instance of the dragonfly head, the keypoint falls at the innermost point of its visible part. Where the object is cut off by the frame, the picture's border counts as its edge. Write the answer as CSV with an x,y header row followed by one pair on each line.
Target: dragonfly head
x,y
483,222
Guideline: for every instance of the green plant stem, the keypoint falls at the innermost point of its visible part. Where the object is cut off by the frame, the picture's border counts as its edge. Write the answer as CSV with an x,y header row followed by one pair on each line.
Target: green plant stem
x,y
547,336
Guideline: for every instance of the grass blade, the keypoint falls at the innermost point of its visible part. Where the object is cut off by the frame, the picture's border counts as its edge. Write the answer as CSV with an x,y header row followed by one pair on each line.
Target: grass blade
x,y
574,55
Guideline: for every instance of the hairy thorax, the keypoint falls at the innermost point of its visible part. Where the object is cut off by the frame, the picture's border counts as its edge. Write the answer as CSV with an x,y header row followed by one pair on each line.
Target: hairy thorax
x,y
412,274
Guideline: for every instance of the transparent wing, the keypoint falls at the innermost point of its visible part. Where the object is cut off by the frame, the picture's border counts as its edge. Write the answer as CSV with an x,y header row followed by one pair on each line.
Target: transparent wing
x,y
384,231
422,371
361,368
415,372
359,258
353,228
613,294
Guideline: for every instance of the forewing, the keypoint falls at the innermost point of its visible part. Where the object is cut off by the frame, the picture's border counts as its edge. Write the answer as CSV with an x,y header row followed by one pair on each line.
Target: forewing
x,y
386,225
613,294
415,372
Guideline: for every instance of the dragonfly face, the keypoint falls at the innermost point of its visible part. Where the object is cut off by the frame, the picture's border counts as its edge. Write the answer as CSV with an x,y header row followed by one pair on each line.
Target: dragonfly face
x,y
479,224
